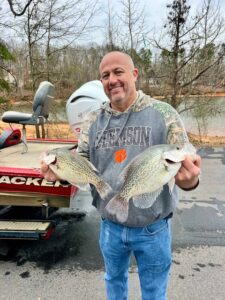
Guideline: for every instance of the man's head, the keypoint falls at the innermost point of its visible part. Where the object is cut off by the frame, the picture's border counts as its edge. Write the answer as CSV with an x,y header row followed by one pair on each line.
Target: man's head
x,y
118,76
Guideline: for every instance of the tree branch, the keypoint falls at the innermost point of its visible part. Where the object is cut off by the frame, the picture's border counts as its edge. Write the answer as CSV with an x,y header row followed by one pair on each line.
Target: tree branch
x,y
7,70
203,71
16,14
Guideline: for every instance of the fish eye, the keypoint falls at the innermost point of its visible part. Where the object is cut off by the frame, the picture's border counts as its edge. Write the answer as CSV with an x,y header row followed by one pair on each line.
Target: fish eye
x,y
178,148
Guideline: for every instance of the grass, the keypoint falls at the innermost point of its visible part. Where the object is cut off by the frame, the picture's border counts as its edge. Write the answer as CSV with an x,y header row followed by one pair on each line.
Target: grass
x,y
63,131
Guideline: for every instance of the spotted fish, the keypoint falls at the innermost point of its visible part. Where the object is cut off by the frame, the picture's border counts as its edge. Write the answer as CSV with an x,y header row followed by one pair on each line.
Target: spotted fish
x,y
75,169
145,176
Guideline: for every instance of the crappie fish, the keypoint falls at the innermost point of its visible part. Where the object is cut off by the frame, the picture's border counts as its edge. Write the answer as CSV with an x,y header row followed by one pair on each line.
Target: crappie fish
x,y
145,176
75,169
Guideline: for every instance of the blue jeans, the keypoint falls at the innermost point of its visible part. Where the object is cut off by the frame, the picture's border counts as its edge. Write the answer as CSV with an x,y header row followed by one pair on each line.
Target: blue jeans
x,y
151,246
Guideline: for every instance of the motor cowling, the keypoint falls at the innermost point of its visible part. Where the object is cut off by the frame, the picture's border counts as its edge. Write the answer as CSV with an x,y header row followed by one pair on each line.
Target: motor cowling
x,y
89,97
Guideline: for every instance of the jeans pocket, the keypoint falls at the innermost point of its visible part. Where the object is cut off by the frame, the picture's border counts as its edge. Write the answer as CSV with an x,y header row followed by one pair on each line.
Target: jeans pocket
x,y
156,228
156,248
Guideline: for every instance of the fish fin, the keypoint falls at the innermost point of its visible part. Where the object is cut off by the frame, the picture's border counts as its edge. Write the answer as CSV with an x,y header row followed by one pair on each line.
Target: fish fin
x,y
118,206
103,189
82,187
146,200
171,184
92,166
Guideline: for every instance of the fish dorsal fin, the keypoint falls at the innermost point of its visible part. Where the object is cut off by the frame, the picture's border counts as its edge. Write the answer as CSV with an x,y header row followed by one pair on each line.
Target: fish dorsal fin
x,y
92,166
146,200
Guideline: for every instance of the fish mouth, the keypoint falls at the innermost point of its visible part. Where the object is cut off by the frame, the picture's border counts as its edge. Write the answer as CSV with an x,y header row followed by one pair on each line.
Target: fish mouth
x,y
50,159
173,158
170,162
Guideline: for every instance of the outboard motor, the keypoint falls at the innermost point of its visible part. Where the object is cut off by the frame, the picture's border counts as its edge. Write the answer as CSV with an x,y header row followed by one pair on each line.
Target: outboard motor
x,y
87,98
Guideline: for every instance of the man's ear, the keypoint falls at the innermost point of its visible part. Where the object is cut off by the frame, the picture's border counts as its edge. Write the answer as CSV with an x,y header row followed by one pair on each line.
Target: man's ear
x,y
135,73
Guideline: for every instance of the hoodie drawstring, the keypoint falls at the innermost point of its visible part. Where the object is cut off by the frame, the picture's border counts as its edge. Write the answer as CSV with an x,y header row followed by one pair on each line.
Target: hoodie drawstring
x,y
98,138
123,126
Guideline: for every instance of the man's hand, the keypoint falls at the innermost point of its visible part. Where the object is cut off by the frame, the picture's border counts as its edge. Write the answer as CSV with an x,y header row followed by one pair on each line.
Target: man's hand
x,y
47,172
188,175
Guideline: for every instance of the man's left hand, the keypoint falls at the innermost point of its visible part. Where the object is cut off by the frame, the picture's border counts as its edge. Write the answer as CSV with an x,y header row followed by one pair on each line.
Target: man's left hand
x,y
188,175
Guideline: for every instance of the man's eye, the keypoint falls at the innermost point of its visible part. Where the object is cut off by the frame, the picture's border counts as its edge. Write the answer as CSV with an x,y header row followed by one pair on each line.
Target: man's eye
x,y
105,76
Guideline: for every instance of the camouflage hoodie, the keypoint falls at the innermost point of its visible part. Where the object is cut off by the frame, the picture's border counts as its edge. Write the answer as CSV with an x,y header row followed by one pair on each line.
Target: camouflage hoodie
x,y
111,139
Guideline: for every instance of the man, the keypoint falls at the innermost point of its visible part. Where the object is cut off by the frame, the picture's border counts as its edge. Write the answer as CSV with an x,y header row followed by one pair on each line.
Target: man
x,y
110,138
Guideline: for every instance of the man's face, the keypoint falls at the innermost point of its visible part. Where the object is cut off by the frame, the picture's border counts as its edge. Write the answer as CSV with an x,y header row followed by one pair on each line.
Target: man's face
x,y
118,77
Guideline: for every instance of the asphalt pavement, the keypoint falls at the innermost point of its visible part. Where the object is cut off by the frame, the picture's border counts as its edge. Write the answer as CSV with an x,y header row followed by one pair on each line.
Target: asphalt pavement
x,y
69,265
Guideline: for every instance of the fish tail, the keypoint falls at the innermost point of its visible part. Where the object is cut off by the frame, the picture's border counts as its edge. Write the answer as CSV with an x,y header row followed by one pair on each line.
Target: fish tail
x,y
103,189
118,206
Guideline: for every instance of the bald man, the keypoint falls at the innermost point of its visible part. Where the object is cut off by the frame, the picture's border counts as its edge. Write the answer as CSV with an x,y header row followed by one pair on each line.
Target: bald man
x,y
110,138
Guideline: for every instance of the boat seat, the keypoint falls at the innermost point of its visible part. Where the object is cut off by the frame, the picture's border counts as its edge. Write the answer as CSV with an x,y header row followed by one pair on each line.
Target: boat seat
x,y
41,107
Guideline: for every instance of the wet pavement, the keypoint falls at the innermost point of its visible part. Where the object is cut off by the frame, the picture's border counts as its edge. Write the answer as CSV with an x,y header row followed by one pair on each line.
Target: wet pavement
x,y
69,265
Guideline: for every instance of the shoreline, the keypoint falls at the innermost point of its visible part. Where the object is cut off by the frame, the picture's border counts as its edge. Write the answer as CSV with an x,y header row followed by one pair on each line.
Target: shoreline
x,y
15,102
206,140
63,131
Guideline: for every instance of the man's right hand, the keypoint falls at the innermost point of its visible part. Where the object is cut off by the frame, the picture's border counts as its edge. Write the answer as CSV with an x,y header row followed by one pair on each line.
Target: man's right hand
x,y
47,173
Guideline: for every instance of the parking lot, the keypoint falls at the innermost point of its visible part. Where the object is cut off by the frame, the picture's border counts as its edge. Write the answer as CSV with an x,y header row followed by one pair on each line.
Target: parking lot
x,y
70,266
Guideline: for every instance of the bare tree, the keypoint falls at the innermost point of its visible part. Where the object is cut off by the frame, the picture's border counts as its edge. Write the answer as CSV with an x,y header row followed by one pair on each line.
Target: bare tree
x,y
52,26
66,24
111,28
133,20
187,38
209,31
34,18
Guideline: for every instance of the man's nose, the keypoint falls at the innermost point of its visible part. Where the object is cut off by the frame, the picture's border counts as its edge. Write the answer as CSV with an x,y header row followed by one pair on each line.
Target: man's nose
x,y
112,78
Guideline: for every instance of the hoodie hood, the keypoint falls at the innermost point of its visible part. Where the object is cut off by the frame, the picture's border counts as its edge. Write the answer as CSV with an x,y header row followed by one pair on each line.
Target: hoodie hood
x,y
107,106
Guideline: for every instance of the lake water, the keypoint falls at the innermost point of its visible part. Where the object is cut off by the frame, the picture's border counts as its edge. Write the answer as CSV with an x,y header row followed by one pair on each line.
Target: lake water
x,y
212,125
215,125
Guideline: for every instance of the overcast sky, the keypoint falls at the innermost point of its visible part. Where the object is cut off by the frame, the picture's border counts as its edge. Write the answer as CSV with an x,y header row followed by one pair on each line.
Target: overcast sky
x,y
156,9
155,13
